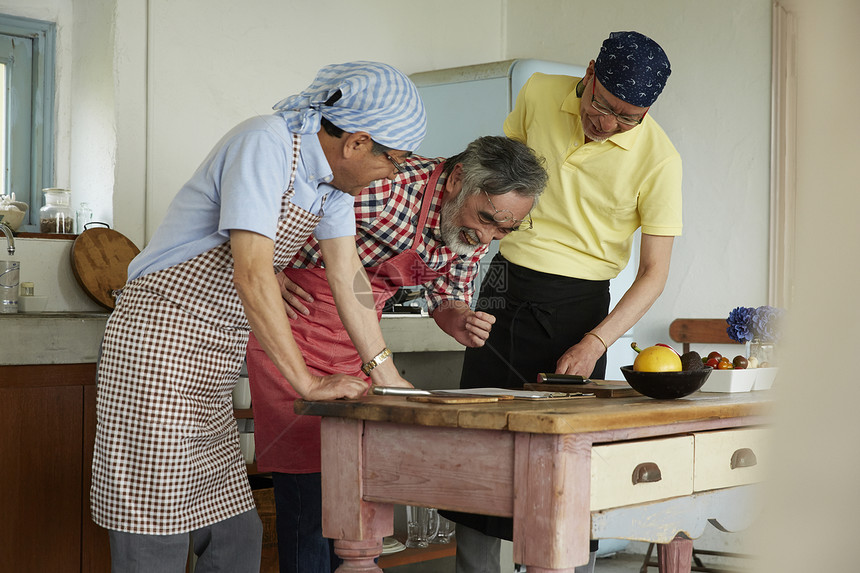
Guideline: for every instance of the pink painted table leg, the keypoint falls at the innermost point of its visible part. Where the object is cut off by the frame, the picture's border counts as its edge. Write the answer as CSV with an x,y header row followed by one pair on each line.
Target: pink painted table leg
x,y
358,556
357,526
675,556
552,485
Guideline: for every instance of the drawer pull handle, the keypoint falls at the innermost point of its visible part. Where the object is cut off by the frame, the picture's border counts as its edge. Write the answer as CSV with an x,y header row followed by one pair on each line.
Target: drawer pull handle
x,y
647,472
743,458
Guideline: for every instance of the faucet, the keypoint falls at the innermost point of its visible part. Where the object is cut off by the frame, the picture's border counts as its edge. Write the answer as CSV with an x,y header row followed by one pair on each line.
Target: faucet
x,y
10,240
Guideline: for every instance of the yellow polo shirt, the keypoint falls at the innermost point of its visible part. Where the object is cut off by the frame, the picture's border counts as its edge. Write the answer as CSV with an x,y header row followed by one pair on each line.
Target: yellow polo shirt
x,y
598,194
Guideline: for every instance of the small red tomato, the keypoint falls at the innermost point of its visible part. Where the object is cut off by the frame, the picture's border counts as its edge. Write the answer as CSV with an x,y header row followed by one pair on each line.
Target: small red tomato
x,y
724,364
715,354
712,362
740,362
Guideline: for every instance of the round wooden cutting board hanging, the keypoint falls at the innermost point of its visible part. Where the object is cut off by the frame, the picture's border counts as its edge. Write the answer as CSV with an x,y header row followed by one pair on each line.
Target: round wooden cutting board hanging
x,y
100,259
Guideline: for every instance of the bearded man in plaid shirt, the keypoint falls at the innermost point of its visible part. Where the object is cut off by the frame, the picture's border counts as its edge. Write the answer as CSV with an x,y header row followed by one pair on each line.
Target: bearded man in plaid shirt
x,y
429,225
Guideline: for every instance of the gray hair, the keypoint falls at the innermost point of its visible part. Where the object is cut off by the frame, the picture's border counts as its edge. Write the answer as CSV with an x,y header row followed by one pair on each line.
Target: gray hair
x,y
500,165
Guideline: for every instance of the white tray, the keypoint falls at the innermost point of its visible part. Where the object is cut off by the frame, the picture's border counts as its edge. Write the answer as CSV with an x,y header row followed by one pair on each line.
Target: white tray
x,y
739,380
764,378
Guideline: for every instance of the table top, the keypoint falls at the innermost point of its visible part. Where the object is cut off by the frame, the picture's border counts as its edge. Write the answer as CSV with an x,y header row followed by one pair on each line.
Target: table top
x,y
569,416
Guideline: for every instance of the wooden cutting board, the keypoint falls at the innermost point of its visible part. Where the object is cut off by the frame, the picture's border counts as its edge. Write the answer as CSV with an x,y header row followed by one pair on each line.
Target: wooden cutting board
x,y
100,259
453,399
608,389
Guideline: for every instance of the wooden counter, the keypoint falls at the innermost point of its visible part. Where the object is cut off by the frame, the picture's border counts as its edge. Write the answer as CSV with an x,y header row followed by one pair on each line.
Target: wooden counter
x,y
533,461
574,416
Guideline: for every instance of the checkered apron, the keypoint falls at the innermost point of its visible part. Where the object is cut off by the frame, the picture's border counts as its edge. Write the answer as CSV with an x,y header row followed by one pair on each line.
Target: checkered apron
x,y
167,456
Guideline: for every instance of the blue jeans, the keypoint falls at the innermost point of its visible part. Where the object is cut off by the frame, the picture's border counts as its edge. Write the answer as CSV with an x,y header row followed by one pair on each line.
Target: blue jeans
x,y
301,545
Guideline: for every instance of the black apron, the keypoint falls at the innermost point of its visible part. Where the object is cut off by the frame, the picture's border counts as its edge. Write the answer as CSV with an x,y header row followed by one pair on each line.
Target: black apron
x,y
538,317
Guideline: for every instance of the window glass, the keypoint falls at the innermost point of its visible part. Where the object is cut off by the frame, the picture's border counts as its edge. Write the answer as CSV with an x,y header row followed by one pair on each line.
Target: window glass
x,y
26,107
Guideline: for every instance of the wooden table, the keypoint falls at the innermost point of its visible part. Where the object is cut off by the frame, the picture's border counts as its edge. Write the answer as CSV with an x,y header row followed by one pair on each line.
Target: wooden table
x,y
536,462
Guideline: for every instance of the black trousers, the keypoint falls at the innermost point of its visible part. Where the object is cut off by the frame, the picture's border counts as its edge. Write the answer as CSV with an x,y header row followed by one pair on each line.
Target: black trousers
x,y
538,317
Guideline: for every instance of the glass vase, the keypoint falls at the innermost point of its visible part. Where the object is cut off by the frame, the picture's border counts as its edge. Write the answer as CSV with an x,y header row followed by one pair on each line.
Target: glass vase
x,y
764,351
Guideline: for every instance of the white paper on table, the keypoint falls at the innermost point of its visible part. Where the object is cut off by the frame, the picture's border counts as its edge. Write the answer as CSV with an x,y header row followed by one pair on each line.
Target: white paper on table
x,y
521,394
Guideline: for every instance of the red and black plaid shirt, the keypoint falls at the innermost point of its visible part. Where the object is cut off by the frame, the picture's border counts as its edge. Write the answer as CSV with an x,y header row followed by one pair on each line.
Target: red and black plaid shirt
x,y
386,218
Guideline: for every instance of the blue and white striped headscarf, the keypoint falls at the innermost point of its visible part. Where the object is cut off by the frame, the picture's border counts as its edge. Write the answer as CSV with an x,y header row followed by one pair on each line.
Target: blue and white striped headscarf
x,y
633,67
375,98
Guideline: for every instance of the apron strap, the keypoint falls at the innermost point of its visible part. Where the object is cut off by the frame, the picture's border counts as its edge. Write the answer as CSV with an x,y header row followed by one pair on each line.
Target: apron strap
x,y
425,203
294,162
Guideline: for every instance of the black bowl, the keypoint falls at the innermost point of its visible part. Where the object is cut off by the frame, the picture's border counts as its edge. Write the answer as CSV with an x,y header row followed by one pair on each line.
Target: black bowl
x,y
666,385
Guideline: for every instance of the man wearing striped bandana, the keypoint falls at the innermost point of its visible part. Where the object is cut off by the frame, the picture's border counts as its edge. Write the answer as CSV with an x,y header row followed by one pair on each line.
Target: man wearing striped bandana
x,y
167,463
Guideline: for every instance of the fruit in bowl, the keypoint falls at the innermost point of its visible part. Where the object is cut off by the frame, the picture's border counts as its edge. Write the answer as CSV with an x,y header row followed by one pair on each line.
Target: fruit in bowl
x,y
657,358
659,372
666,385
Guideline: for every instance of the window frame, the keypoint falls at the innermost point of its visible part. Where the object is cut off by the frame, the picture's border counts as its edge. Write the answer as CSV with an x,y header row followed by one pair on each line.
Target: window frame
x,y
41,122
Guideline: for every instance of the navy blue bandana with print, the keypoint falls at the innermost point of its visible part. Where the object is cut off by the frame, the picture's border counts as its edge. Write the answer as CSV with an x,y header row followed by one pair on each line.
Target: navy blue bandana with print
x,y
633,67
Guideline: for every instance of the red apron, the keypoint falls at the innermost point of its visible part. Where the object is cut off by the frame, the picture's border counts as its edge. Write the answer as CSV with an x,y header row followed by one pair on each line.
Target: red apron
x,y
289,443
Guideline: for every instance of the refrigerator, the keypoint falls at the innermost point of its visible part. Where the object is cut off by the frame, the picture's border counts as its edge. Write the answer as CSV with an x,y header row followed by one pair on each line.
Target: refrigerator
x,y
466,102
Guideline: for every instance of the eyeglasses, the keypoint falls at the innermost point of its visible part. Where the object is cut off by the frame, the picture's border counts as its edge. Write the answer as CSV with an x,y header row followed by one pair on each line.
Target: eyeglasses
x,y
399,167
628,120
505,216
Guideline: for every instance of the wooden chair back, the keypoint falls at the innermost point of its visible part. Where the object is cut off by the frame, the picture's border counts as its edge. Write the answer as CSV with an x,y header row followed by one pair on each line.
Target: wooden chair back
x,y
700,331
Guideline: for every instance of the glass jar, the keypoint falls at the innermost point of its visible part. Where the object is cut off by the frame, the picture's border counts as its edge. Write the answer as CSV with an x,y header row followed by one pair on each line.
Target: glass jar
x,y
57,215
83,216
28,289
763,351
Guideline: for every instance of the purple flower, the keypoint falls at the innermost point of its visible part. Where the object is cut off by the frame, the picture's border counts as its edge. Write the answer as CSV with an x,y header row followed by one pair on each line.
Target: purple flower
x,y
739,321
766,322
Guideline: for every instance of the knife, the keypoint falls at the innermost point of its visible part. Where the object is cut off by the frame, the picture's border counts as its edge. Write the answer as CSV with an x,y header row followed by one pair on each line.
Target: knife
x,y
396,391
392,391
548,378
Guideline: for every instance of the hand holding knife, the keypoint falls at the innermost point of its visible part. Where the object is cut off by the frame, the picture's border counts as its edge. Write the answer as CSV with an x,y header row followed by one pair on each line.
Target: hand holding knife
x,y
549,378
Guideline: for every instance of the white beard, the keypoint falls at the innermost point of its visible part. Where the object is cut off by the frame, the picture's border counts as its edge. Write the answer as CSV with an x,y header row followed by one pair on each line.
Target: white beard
x,y
451,232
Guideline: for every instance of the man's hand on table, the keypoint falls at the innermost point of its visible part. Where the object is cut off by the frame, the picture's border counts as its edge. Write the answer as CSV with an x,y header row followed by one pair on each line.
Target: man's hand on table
x,y
333,386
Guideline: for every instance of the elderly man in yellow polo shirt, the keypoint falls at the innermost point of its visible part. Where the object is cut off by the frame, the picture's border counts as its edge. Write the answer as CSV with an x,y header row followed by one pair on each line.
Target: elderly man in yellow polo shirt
x,y
612,170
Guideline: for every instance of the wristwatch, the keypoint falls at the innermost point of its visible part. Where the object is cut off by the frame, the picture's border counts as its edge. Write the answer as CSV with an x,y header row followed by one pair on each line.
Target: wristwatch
x,y
375,361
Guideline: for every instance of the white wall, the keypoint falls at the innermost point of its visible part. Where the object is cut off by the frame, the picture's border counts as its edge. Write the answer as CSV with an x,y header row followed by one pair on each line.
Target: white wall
x,y
215,63
93,119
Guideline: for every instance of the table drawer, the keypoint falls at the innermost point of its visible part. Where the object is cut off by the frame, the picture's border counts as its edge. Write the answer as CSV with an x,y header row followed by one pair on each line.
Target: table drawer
x,y
635,472
728,458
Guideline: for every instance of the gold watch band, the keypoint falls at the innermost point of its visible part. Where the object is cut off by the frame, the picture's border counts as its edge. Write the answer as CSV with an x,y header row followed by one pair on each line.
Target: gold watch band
x,y
375,361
